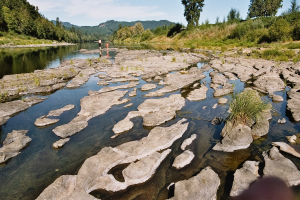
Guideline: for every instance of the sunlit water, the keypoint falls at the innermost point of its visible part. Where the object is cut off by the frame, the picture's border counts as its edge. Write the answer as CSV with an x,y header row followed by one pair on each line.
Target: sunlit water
x,y
27,175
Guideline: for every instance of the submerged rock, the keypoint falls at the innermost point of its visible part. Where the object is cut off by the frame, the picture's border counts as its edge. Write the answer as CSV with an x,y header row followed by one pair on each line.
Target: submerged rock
x,y
198,94
60,143
147,87
93,175
44,121
13,107
281,167
244,177
188,142
91,106
286,148
153,111
183,159
109,89
203,186
13,143
58,112
217,121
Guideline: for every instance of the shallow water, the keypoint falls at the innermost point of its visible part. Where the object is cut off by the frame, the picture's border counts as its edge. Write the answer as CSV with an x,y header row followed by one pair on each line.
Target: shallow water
x,y
38,165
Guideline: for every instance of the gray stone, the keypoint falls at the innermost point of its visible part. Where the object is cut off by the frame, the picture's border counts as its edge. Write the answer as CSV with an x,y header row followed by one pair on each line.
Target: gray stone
x,y
215,106
128,105
91,106
279,166
113,88
13,143
58,112
147,87
203,186
133,93
269,83
281,121
44,121
222,101
226,89
198,94
188,142
286,148
238,137
244,177
81,78
292,139
294,103
102,83
60,143
183,159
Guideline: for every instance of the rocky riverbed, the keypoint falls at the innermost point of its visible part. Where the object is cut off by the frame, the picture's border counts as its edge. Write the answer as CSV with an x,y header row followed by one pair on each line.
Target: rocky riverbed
x,y
166,134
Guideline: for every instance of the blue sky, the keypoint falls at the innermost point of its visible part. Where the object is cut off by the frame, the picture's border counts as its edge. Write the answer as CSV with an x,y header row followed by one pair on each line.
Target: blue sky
x,y
94,12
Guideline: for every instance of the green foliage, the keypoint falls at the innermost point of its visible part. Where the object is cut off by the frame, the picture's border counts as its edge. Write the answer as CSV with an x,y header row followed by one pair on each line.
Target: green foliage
x,y
175,30
173,59
296,31
294,7
280,30
233,16
147,35
264,8
247,107
293,46
278,55
192,9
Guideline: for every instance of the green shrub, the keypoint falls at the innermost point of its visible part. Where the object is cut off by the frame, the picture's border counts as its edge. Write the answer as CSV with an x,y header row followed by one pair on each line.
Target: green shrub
x,y
280,30
296,59
247,106
147,35
293,46
238,32
296,31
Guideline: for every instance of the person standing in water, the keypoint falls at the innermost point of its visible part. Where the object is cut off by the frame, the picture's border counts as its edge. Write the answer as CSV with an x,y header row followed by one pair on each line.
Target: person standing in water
x,y
100,44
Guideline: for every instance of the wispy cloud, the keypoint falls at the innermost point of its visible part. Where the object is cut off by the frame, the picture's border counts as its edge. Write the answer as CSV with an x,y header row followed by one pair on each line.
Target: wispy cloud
x,y
98,9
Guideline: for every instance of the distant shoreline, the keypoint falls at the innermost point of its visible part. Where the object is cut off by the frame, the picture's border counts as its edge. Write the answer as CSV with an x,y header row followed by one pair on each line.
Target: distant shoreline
x,y
36,45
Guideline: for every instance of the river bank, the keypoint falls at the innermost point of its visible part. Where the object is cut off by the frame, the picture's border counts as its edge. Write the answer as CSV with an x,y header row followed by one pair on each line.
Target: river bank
x,y
174,98
54,44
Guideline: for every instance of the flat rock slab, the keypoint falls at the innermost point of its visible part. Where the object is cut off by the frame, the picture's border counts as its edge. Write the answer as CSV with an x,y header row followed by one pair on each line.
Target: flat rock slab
x,y
269,83
82,78
286,148
277,165
222,101
58,112
244,177
198,94
60,143
188,142
13,143
203,186
236,138
133,93
153,111
183,159
109,89
294,103
13,107
147,87
44,121
91,106
102,83
93,175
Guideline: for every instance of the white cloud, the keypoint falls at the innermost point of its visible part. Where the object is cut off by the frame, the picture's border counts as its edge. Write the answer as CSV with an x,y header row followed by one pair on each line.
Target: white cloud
x,y
98,9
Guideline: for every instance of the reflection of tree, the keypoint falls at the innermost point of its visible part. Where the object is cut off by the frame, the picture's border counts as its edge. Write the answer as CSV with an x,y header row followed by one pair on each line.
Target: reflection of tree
x,y
25,60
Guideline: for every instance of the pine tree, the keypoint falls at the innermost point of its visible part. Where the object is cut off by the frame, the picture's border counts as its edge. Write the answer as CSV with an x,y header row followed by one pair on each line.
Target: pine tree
x,y
264,8
192,11
294,6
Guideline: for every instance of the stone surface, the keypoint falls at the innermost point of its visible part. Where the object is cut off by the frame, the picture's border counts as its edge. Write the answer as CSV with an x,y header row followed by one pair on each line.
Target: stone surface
x,y
226,89
58,112
44,121
269,83
217,121
128,105
215,106
60,143
188,142
286,148
81,78
198,94
222,101
236,138
93,175
153,111
279,166
293,104
11,108
281,121
147,87
244,177
113,88
183,159
292,139
91,106
203,186
103,83
133,93
13,143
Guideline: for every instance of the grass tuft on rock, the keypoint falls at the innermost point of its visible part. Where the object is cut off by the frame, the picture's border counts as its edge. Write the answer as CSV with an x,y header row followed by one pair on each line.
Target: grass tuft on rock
x,y
247,107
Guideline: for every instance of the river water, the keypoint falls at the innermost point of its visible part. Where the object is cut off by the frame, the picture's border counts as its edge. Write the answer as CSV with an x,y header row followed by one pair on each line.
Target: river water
x,y
27,175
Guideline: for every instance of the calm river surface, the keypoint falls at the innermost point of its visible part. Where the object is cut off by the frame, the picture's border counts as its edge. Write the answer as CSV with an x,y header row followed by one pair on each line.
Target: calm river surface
x,y
27,175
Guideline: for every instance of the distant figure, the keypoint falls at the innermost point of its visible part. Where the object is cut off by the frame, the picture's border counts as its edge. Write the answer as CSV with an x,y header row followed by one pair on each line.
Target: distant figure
x,y
107,46
100,44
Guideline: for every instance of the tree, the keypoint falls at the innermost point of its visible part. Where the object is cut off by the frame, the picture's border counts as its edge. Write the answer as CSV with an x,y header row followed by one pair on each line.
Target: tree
x,y
233,15
192,11
294,7
264,8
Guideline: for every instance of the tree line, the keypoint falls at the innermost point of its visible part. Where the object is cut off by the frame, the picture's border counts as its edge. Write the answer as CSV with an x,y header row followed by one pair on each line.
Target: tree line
x,y
20,17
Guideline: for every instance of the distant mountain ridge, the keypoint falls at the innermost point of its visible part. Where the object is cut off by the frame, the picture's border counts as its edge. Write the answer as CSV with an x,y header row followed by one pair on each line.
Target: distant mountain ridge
x,y
107,28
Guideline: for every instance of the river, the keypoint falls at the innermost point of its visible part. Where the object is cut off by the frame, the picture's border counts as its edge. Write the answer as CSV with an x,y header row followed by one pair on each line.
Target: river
x,y
25,176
